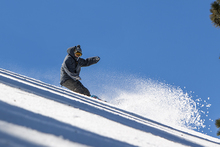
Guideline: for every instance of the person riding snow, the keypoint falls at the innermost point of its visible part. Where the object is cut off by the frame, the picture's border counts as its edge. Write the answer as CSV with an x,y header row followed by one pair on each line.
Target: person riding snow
x,y
71,67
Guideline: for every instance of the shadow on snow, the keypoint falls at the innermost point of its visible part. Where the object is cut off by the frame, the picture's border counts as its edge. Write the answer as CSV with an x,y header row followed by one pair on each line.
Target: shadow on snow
x,y
22,117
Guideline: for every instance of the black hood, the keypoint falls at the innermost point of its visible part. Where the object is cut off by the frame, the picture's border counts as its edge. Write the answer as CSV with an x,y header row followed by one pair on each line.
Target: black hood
x,y
70,51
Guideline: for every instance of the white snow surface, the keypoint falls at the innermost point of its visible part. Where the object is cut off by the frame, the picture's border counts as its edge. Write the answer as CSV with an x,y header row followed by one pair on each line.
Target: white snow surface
x,y
33,113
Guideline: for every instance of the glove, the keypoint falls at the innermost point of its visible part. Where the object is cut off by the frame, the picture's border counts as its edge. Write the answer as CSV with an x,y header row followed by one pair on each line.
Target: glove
x,y
77,78
97,59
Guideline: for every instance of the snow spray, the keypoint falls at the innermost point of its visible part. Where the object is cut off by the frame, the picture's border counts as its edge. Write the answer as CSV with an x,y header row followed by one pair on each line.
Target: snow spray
x,y
155,100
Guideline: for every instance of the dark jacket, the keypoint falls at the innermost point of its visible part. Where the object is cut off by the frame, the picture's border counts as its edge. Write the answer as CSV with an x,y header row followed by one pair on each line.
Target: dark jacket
x,y
71,66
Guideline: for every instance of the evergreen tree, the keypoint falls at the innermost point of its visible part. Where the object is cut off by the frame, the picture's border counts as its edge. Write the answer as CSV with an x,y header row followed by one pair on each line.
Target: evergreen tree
x,y
217,123
215,16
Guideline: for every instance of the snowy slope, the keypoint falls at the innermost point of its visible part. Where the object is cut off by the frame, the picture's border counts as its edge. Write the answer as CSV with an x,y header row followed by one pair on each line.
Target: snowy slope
x,y
33,113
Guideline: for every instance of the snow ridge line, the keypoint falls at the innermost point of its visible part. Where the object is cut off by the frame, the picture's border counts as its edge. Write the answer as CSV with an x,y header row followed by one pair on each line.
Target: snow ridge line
x,y
92,102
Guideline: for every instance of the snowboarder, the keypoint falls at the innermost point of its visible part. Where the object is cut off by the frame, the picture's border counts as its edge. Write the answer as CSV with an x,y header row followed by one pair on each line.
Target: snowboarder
x,y
70,70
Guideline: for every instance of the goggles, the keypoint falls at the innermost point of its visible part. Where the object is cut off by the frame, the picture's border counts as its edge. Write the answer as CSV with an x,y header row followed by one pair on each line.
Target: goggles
x,y
78,54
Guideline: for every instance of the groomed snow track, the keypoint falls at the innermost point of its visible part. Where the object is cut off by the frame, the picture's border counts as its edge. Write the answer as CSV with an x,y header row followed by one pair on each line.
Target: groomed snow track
x,y
102,109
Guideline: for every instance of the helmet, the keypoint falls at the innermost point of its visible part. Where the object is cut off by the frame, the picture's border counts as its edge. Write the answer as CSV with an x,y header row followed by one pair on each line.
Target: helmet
x,y
78,49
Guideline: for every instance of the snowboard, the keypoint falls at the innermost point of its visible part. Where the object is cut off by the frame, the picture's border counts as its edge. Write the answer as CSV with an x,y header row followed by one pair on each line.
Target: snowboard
x,y
96,97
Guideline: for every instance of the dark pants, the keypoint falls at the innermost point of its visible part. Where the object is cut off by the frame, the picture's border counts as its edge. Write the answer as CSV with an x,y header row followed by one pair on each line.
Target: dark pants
x,y
76,86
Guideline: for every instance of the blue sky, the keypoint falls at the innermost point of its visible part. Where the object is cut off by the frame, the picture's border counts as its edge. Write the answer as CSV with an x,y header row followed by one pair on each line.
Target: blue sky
x,y
169,41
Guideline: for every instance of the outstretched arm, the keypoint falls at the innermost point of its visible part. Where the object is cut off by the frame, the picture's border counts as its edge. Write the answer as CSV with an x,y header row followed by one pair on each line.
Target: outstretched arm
x,y
89,61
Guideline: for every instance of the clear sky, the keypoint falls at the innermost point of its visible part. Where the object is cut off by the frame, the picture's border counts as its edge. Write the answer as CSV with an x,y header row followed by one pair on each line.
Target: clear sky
x,y
170,41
